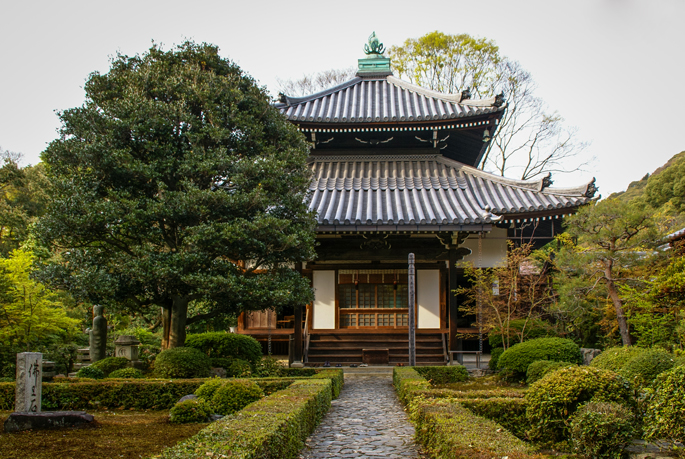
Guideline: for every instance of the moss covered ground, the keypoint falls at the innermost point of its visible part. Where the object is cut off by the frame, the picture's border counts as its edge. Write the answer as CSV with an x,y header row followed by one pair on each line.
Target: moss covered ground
x,y
116,434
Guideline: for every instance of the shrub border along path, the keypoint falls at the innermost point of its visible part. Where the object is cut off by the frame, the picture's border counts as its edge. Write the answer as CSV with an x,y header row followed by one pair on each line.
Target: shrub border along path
x,y
447,429
275,426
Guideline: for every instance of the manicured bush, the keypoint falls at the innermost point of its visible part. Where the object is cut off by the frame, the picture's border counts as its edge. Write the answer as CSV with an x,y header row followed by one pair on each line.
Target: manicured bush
x,y
644,367
90,372
269,366
299,372
540,368
239,369
127,373
227,345
337,378
495,354
408,383
208,388
443,375
109,364
615,358
517,358
534,328
182,362
221,362
601,430
275,426
551,400
234,395
510,413
665,413
190,411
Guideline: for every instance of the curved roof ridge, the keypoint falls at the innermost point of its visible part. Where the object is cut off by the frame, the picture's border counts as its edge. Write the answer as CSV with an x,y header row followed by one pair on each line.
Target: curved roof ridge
x,y
456,98
298,100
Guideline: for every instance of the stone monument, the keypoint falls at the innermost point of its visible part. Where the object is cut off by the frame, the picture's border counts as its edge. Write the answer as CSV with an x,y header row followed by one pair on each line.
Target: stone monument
x,y
98,335
27,401
126,346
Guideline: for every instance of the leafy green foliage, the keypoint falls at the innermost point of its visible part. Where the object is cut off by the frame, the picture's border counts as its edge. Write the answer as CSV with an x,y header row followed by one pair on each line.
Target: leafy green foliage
x,y
495,354
269,366
182,362
208,388
90,372
275,426
239,369
528,329
29,312
227,345
443,375
540,368
644,367
555,397
665,407
190,411
669,185
127,373
518,357
508,412
615,358
234,395
174,171
601,430
109,364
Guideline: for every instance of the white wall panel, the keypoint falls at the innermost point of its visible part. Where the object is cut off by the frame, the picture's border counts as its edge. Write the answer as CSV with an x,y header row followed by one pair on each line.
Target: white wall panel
x,y
494,251
324,299
428,298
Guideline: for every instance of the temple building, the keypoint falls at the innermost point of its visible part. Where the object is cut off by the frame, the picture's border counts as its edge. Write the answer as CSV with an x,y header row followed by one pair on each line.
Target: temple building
x,y
395,171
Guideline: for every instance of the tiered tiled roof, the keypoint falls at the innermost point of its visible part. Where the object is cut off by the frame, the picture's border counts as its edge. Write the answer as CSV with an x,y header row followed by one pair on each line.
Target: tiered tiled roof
x,y
425,192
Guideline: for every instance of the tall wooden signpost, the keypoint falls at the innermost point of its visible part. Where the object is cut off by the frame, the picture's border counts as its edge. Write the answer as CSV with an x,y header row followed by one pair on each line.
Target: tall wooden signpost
x,y
412,312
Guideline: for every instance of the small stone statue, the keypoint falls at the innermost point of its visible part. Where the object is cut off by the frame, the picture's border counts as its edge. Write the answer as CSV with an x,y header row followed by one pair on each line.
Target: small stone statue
x,y
98,335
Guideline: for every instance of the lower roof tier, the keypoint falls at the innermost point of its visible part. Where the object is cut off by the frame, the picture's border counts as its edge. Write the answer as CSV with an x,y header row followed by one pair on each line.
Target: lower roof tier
x,y
423,190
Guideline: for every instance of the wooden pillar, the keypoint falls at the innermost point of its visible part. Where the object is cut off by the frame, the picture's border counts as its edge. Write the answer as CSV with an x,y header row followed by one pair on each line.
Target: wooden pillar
x,y
455,344
297,342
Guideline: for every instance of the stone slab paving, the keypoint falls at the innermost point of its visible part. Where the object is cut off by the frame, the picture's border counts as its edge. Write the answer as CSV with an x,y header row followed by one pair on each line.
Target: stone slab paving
x,y
366,421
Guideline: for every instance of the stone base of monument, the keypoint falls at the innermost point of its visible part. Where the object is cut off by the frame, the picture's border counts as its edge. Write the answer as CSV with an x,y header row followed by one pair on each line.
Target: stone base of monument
x,y
47,420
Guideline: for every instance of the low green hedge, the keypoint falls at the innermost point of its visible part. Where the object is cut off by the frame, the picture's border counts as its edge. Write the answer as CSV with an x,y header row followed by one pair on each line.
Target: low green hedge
x,y
510,413
443,374
448,429
274,427
337,380
504,392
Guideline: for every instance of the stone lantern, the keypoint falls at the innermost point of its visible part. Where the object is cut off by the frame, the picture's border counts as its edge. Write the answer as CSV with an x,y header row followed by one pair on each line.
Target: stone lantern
x,y
126,346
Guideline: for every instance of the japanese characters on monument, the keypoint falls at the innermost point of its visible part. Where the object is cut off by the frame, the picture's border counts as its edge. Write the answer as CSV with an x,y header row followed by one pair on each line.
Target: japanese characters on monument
x,y
29,382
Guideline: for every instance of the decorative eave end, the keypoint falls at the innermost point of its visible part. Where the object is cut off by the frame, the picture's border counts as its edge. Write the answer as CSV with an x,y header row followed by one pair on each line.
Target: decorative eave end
x,y
591,189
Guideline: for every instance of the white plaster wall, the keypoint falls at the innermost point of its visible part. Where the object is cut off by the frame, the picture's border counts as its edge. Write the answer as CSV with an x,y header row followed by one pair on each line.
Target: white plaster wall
x,y
324,299
428,298
494,248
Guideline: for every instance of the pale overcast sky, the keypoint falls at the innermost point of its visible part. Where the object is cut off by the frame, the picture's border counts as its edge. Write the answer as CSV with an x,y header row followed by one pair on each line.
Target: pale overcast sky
x,y
613,68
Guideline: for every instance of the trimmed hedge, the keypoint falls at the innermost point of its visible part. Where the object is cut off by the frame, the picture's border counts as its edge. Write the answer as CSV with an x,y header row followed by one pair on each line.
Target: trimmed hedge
x,y
643,368
615,358
126,373
182,362
190,411
275,426
558,395
665,414
510,413
540,368
337,378
444,374
90,372
110,364
234,395
601,430
226,345
495,354
447,429
518,357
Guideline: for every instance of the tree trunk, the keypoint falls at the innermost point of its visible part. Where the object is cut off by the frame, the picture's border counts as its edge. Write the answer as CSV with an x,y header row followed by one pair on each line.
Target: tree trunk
x,y
618,305
174,321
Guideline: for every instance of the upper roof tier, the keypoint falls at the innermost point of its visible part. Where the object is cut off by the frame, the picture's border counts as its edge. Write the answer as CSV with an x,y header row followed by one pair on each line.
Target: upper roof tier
x,y
384,99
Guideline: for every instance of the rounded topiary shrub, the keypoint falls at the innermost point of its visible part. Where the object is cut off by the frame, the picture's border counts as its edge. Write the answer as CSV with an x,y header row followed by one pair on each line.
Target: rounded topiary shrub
x,y
615,358
128,373
235,395
226,345
208,388
495,354
665,403
221,362
109,364
551,400
644,367
540,368
182,362
90,372
196,410
517,358
601,430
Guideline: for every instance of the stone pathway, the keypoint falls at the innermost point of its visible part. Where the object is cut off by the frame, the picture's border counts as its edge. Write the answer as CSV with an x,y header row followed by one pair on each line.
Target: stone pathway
x,y
366,421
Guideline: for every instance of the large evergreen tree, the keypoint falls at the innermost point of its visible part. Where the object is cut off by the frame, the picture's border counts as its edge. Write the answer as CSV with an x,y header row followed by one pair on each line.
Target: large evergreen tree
x,y
178,181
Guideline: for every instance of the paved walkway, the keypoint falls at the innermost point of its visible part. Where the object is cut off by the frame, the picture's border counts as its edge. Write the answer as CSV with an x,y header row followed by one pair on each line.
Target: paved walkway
x,y
366,421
